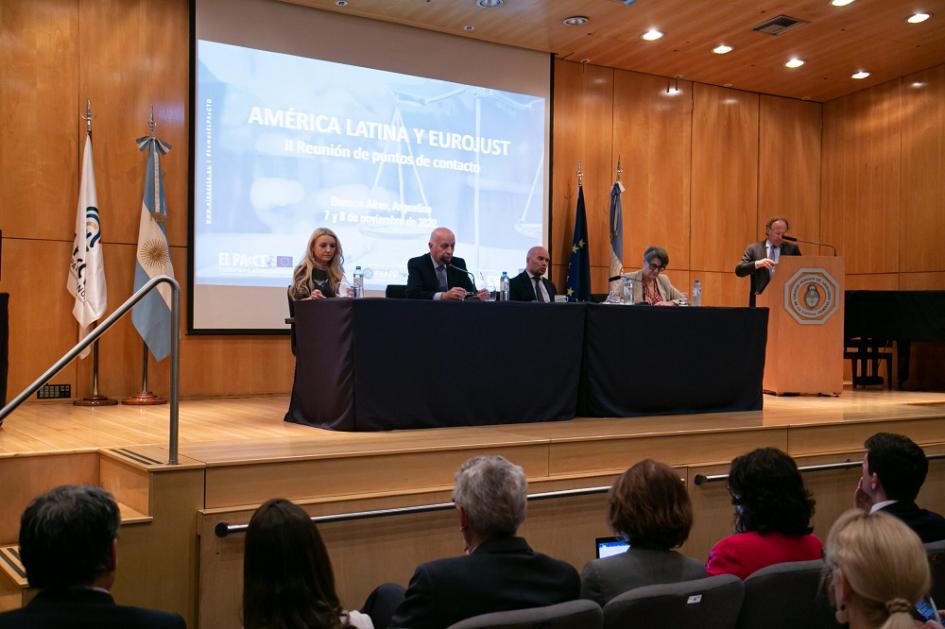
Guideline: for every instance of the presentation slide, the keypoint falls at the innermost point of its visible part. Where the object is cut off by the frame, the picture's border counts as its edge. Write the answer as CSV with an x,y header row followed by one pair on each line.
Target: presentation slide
x,y
285,144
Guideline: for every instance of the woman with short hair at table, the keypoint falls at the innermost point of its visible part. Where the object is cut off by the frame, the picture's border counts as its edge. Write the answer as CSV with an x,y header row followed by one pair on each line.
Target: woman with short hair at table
x,y
649,285
321,272
876,570
650,509
288,582
772,516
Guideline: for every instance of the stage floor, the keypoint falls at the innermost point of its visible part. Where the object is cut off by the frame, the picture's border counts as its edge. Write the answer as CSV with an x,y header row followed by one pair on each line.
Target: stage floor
x,y
217,431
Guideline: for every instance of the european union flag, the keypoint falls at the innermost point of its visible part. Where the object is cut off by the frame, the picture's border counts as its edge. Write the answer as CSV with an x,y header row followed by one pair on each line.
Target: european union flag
x,y
579,266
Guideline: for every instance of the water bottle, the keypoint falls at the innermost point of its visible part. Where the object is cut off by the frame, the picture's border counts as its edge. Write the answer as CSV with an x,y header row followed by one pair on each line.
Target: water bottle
x,y
627,290
697,293
504,287
358,287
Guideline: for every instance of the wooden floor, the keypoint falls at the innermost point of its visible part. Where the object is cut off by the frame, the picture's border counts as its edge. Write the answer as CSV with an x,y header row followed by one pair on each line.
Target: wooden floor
x,y
228,430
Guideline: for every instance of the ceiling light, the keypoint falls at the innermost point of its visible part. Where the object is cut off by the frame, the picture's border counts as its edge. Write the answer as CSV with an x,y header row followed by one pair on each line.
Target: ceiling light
x,y
490,4
862,74
918,84
576,20
794,62
721,49
651,35
341,3
469,28
841,3
917,18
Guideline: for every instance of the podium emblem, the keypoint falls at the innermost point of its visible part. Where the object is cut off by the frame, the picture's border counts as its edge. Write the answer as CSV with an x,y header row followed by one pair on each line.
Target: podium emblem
x,y
811,296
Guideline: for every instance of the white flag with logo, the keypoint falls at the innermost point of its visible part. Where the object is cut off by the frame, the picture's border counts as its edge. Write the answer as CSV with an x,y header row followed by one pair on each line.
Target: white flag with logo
x,y
86,281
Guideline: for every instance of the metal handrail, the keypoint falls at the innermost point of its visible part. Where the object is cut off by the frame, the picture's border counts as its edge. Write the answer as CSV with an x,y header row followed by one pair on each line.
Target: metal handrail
x,y
222,529
702,479
99,331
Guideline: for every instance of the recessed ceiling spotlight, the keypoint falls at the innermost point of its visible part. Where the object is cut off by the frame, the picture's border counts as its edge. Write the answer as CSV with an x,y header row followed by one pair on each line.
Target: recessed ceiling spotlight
x,y
918,84
841,3
490,4
918,18
862,74
794,62
341,3
721,49
469,28
576,20
651,35
726,85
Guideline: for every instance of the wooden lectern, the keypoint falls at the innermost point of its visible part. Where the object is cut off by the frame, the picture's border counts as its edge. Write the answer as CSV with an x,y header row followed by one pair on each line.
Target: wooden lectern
x,y
805,326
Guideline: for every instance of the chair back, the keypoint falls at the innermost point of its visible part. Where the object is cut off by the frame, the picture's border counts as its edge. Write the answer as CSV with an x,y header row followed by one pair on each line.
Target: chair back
x,y
396,291
579,614
936,552
709,603
786,596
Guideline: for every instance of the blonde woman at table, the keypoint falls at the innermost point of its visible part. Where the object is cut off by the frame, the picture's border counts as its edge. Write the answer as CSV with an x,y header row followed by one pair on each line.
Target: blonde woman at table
x,y
649,286
321,272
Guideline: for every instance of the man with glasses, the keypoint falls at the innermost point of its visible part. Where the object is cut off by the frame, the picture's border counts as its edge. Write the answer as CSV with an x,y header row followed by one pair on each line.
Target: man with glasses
x,y
650,286
761,258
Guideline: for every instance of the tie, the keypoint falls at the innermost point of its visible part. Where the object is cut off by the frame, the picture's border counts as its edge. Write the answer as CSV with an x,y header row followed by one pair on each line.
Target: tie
x,y
441,278
774,255
538,294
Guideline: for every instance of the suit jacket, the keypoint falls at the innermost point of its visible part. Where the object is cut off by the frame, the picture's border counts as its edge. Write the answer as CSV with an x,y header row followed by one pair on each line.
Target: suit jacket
x,y
742,554
85,608
521,288
667,291
928,525
760,277
603,579
421,277
500,575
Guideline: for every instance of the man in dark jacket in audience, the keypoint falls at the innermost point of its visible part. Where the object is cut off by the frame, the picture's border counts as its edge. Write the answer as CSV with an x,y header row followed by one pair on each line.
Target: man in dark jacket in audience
x,y
69,545
894,469
499,571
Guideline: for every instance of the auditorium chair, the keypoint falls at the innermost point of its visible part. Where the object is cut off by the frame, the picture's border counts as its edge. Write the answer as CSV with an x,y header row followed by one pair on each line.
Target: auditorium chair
x,y
710,603
579,614
785,596
936,551
396,291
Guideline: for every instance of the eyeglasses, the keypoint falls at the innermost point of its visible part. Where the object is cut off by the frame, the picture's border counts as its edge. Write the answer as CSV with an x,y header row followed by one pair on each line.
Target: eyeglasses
x,y
657,268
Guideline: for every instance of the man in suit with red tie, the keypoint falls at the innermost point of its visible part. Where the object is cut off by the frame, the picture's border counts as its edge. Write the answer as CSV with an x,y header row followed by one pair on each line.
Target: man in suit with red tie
x,y
761,258
530,284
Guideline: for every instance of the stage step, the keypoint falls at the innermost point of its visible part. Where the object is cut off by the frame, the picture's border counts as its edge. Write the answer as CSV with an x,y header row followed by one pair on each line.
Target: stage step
x,y
12,566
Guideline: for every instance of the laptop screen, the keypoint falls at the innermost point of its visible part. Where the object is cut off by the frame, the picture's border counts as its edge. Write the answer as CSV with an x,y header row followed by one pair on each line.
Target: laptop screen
x,y
609,546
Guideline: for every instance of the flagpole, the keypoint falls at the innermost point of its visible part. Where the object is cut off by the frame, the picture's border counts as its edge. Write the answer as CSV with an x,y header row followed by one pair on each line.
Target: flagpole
x,y
95,399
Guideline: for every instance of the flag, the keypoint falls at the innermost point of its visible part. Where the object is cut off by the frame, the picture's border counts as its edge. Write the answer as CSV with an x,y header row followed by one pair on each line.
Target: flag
x,y
152,315
578,287
616,239
86,281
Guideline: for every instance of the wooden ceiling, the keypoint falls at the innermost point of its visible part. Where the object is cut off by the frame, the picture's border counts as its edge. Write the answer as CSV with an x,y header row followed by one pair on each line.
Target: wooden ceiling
x,y
870,35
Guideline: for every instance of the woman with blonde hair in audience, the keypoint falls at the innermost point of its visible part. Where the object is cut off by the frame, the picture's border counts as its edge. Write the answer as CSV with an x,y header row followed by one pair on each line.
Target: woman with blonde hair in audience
x,y
650,509
772,516
877,570
287,577
321,271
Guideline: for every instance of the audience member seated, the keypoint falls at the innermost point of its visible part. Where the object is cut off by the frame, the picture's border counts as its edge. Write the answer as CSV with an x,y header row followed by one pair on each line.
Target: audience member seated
x,y
287,577
877,570
772,516
894,468
499,571
650,509
649,286
321,272
69,547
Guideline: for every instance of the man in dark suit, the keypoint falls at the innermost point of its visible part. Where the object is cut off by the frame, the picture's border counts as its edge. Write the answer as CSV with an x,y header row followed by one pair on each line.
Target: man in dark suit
x,y
499,571
437,275
530,285
894,469
69,545
761,258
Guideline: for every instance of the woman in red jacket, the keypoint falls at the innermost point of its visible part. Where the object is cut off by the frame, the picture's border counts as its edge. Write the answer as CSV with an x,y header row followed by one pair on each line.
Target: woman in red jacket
x,y
772,516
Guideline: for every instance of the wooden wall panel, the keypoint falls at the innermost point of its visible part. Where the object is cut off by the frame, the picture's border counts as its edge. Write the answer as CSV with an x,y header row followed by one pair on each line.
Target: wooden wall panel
x,y
922,281
653,138
876,281
39,108
922,191
722,289
724,176
789,166
860,194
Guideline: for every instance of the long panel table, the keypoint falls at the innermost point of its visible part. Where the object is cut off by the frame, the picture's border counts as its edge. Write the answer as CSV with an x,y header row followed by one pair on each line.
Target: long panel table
x,y
383,364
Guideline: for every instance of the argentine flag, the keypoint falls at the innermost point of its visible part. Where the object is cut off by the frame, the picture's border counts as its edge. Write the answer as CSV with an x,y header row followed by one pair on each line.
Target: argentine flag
x,y
152,315
86,281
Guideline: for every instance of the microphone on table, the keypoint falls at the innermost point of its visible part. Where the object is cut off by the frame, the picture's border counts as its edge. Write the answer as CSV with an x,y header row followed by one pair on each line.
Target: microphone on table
x,y
810,242
469,296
